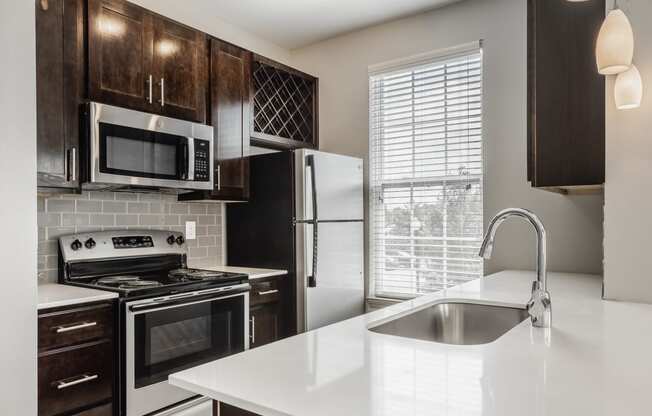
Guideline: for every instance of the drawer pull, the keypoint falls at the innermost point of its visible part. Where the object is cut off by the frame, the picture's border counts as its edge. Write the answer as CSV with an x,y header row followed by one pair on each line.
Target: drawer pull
x,y
268,292
85,378
62,329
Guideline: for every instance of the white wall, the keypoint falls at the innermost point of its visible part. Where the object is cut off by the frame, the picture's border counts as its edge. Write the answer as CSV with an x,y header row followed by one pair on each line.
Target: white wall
x,y
574,223
18,209
203,16
628,204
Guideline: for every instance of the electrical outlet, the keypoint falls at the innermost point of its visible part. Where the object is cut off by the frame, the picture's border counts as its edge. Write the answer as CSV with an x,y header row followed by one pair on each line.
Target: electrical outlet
x,y
191,230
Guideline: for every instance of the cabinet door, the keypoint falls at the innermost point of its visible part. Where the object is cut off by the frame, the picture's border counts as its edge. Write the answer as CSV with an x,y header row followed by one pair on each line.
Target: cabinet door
x,y
180,62
59,89
230,73
265,324
120,54
223,409
566,101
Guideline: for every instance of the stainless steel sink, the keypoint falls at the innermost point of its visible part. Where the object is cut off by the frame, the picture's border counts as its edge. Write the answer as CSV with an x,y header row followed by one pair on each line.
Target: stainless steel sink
x,y
455,323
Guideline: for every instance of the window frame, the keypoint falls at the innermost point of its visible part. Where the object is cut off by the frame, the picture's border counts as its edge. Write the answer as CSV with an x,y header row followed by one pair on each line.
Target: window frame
x,y
413,182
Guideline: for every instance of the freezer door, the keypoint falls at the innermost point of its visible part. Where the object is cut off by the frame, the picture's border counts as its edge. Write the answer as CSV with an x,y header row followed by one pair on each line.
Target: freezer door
x,y
338,182
338,293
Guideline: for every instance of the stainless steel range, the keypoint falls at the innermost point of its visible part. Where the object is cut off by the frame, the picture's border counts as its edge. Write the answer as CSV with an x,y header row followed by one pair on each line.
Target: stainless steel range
x,y
172,317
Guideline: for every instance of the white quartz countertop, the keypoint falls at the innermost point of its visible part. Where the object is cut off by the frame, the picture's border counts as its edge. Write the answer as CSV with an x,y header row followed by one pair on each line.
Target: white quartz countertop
x,y
594,361
254,273
53,295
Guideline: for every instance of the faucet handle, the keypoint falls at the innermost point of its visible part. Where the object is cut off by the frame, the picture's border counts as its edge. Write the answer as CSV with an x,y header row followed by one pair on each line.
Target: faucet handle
x,y
536,286
539,307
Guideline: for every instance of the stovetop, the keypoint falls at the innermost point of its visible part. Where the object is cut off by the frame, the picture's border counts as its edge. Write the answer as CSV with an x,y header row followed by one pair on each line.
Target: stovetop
x,y
135,264
160,282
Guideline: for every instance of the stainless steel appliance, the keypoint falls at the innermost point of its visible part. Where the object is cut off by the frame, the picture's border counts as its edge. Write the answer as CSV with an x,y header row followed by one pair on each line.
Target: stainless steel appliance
x,y
306,215
127,148
171,317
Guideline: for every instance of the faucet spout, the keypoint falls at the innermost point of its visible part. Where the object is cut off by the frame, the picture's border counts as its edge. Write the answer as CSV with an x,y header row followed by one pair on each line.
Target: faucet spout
x,y
539,306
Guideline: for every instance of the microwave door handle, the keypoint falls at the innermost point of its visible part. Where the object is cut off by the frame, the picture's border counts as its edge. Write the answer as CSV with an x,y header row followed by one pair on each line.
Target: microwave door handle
x,y
310,163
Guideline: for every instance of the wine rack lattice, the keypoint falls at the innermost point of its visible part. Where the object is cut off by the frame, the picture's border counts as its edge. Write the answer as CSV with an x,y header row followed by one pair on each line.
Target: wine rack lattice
x,y
283,103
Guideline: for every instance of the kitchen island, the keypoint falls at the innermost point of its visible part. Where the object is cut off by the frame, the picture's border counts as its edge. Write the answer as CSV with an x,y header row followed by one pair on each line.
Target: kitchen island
x,y
594,361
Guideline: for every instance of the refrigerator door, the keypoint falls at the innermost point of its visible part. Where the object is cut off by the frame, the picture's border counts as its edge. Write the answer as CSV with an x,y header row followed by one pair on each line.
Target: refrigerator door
x,y
338,181
330,238
338,293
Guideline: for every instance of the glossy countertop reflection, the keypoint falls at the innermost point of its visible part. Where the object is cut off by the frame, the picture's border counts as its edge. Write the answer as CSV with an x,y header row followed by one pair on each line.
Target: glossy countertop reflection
x,y
595,360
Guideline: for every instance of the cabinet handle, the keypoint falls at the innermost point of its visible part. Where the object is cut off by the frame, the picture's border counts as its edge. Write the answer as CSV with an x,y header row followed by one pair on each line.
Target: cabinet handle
x,y
72,164
267,292
219,178
252,336
150,82
84,378
62,329
162,92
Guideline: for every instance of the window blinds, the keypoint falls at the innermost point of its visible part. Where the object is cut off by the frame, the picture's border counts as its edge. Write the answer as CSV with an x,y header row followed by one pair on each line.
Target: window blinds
x,y
426,173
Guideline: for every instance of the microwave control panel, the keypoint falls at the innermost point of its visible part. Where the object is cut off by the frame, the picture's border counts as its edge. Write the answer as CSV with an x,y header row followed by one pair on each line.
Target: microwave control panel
x,y
202,165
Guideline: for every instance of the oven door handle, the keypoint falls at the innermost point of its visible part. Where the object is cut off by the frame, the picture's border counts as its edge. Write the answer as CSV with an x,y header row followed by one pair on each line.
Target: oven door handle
x,y
211,294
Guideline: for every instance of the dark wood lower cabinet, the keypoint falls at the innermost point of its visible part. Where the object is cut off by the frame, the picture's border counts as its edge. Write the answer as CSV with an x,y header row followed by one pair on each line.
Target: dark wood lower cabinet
x,y
76,360
76,377
223,409
269,311
265,321
106,410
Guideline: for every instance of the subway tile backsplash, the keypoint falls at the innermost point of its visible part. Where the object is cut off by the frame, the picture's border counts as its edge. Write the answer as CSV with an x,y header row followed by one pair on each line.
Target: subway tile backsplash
x,y
99,211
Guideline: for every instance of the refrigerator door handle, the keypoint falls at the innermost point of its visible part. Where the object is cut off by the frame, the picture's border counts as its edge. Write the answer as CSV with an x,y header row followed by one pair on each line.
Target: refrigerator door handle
x,y
310,163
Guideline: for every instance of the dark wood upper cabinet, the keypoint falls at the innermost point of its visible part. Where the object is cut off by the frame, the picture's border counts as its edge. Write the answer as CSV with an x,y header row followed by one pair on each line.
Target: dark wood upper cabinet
x,y
230,70
285,106
118,53
566,102
59,91
180,66
120,39
145,62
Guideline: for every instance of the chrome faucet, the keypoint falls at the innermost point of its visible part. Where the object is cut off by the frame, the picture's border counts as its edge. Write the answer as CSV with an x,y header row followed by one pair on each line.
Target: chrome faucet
x,y
539,306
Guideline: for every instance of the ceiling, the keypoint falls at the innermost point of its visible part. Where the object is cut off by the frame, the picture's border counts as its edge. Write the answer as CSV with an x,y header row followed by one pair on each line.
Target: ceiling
x,y
296,23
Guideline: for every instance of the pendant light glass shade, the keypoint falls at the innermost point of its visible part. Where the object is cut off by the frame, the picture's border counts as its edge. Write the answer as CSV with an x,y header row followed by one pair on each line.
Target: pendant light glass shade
x,y
629,89
615,47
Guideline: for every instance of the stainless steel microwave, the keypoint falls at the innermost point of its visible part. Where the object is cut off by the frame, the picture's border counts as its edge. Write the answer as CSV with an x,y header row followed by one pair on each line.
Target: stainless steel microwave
x,y
131,149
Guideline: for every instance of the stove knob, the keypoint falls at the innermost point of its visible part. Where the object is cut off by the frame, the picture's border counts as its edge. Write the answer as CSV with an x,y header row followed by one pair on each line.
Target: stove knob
x,y
76,245
90,243
180,240
171,240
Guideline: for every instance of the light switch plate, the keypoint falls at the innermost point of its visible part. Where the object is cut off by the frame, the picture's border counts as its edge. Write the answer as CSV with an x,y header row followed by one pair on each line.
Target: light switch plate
x,y
191,230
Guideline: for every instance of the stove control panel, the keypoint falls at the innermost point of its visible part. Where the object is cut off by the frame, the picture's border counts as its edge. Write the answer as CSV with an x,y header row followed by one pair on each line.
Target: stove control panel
x,y
121,243
139,241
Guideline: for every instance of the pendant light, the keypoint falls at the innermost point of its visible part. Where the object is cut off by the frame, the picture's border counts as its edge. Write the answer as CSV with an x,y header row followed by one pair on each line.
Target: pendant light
x,y
629,89
615,46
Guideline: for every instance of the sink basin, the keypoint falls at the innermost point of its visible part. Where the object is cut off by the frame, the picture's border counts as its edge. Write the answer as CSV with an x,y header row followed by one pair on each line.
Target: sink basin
x,y
455,323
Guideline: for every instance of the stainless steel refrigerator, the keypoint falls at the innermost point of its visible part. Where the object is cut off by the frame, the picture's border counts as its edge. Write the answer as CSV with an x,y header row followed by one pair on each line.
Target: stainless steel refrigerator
x,y
305,215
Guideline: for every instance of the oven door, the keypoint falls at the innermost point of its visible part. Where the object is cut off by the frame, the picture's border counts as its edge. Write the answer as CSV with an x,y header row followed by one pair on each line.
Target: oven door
x,y
167,335
131,148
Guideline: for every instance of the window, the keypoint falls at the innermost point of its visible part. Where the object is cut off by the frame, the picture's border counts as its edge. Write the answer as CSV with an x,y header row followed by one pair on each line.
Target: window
x,y
426,172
